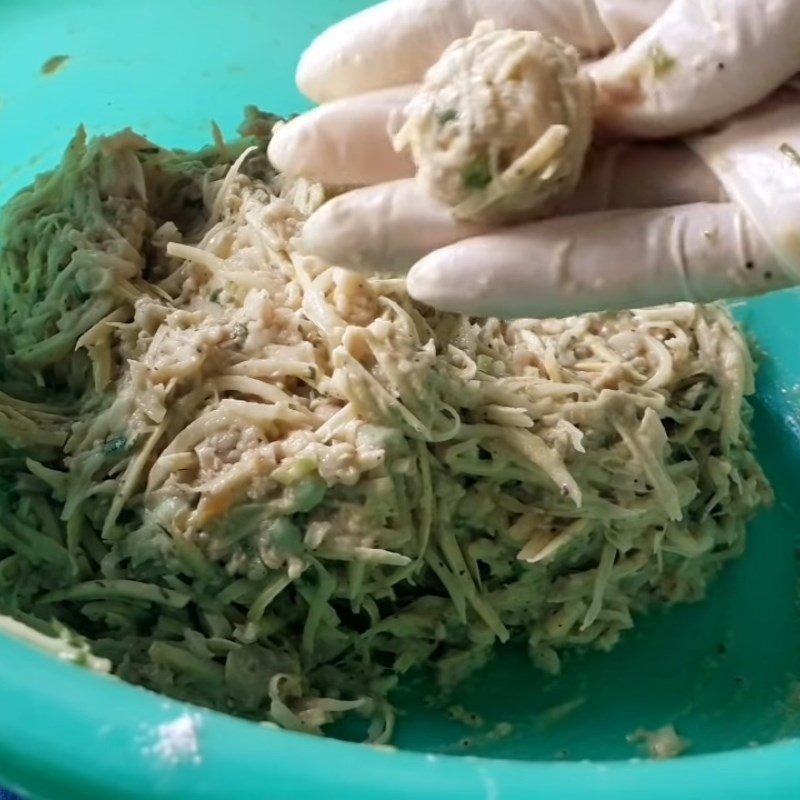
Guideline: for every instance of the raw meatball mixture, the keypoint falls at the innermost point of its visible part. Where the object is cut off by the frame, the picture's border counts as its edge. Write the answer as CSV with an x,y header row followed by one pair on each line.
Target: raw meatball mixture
x,y
501,124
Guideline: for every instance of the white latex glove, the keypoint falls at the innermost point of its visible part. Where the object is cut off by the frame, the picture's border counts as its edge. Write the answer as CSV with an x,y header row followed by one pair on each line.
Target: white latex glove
x,y
649,223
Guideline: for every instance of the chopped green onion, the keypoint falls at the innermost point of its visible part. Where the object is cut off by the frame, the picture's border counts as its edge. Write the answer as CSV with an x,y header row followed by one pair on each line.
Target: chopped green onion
x,y
790,153
663,63
477,174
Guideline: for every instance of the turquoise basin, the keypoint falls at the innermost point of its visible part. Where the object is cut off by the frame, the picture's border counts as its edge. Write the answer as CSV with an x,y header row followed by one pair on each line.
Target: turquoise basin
x,y
166,68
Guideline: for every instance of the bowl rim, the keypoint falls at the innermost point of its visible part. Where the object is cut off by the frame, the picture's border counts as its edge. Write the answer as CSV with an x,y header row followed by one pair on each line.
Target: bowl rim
x,y
55,713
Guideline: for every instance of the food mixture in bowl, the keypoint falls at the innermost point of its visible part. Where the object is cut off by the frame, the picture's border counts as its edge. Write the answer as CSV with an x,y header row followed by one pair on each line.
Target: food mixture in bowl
x,y
242,477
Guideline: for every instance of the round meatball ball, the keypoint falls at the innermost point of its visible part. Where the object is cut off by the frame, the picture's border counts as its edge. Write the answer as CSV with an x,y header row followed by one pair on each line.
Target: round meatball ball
x,y
500,127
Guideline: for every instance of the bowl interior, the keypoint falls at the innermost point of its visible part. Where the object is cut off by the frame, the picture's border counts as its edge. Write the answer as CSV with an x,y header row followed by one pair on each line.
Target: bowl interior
x,y
724,671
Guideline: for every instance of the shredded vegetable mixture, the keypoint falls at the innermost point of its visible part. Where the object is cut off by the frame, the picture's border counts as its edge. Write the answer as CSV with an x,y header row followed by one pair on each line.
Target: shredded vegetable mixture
x,y
273,487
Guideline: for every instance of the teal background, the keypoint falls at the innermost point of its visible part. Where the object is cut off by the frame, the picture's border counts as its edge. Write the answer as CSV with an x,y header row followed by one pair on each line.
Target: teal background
x,y
167,67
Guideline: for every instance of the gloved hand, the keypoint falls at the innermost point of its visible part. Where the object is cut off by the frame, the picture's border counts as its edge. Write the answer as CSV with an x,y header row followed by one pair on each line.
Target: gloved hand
x,y
649,223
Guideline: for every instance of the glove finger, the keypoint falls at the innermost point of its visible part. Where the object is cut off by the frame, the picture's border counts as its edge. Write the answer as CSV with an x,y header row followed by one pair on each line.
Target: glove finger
x,y
647,175
344,143
383,228
699,63
604,261
627,19
393,43
390,226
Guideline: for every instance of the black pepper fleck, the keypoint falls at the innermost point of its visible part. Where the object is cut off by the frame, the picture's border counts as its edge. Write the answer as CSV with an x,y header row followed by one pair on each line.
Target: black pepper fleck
x,y
750,265
768,275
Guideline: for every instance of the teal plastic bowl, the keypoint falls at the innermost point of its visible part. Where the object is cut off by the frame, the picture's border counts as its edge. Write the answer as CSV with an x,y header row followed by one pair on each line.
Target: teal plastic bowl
x,y
723,671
